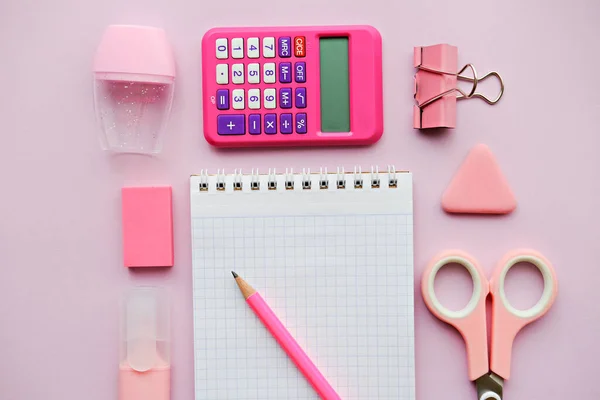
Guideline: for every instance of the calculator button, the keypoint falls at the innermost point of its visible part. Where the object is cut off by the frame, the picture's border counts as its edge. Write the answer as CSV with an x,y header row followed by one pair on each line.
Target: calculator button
x,y
300,71
222,74
254,99
300,46
300,97
237,73
252,50
285,97
268,47
222,99
253,73
269,73
270,124
230,124
270,102
254,124
285,72
301,123
237,97
285,47
221,48
285,123
237,48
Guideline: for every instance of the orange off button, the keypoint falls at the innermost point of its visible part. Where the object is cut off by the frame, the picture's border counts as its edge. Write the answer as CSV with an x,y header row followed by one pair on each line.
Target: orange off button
x,y
300,46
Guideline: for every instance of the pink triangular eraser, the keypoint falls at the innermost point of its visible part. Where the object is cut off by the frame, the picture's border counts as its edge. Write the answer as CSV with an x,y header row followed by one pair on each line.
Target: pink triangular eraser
x,y
479,187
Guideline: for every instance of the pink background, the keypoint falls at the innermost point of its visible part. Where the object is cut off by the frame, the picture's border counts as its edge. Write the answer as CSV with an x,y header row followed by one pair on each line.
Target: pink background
x,y
61,268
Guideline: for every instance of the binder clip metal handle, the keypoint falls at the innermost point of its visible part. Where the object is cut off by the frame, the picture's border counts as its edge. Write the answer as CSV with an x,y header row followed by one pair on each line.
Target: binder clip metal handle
x,y
436,86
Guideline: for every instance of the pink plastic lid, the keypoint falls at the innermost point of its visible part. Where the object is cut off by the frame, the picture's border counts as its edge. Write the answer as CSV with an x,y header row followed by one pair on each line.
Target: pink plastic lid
x,y
128,49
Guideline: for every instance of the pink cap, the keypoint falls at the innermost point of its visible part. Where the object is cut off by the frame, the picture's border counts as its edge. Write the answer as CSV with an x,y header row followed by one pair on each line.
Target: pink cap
x,y
132,49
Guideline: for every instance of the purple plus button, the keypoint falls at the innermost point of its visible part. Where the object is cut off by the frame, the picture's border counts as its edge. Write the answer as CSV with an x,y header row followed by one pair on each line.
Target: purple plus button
x,y
300,71
230,124
254,124
285,72
301,123
285,123
270,124
222,99
301,97
285,97
285,47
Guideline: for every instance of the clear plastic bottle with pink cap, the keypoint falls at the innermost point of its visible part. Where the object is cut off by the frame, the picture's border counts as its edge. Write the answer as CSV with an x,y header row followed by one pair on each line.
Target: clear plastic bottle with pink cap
x,y
134,77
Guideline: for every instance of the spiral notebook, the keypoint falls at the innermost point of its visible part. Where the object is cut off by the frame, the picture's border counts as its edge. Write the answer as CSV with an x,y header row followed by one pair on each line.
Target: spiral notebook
x,y
332,254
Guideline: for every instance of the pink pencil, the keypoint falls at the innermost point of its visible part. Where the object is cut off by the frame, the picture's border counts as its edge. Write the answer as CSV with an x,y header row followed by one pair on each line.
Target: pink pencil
x,y
286,340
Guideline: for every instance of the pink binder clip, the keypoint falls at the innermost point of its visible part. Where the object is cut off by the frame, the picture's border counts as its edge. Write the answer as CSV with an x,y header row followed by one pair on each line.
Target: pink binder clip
x,y
436,86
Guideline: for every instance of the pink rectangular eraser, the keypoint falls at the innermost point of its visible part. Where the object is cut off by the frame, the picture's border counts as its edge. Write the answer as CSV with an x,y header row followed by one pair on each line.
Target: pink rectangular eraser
x,y
147,226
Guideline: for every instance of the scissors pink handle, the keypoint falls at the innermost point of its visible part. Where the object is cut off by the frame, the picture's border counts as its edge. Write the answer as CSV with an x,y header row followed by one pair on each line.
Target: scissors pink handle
x,y
470,321
506,320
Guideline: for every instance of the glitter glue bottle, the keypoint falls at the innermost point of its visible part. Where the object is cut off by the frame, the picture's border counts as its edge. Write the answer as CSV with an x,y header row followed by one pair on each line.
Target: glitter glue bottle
x,y
145,365
134,76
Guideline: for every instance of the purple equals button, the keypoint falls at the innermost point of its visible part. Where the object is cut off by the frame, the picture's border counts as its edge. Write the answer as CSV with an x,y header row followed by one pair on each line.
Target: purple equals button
x,y
222,99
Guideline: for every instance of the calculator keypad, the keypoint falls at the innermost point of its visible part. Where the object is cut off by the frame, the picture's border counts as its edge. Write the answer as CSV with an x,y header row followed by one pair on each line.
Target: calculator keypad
x,y
258,98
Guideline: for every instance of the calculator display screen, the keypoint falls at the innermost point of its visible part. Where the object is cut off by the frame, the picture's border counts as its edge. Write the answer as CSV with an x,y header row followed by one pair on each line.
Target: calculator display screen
x,y
335,84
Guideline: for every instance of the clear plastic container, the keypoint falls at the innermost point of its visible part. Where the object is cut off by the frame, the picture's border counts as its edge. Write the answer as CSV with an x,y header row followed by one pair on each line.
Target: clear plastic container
x,y
134,81
133,115
145,330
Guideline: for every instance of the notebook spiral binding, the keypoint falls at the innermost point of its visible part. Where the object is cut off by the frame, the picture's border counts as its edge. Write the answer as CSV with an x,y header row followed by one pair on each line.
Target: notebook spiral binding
x,y
289,182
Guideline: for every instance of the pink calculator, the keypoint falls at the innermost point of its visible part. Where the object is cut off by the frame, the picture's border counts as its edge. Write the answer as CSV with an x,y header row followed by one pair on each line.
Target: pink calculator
x,y
292,86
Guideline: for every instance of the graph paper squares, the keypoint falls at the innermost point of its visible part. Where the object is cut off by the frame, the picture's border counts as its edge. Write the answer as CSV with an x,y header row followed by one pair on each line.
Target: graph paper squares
x,y
342,285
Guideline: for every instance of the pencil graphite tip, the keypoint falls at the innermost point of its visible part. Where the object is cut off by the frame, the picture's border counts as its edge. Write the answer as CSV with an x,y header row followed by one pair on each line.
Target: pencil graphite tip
x,y
234,274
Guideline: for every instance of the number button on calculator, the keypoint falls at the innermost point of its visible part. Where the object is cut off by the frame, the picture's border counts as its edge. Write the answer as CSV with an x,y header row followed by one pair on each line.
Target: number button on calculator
x,y
237,74
269,47
237,48
254,73
253,48
269,73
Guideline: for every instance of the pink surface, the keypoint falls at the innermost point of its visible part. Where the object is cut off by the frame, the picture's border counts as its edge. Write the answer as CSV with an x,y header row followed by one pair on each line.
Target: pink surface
x,y
292,348
364,58
61,270
147,214
479,186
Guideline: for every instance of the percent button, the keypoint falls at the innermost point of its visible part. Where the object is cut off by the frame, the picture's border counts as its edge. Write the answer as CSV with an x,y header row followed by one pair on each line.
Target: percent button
x,y
301,123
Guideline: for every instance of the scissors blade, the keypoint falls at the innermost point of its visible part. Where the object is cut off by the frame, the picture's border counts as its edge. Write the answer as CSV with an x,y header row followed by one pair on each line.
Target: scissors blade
x,y
489,386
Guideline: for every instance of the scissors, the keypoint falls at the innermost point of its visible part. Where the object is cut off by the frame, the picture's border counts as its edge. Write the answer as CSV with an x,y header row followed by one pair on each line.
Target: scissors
x,y
507,321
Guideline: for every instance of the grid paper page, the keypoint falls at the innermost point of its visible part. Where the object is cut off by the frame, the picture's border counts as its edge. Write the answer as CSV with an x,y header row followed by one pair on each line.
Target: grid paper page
x,y
336,266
